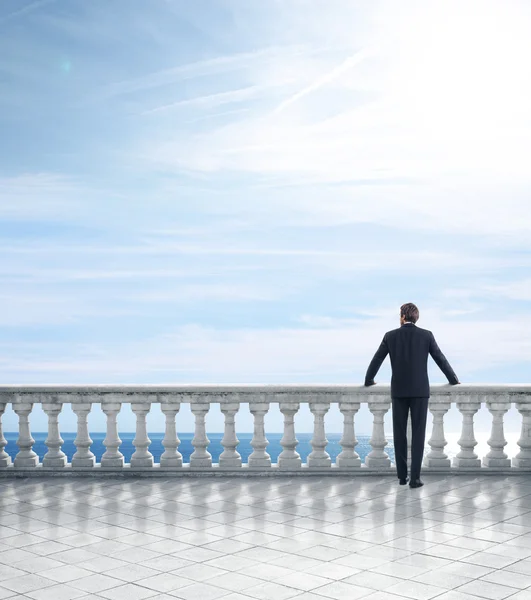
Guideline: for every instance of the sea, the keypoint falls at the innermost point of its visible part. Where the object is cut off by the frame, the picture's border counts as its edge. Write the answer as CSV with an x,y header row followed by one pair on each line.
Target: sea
x,y
215,448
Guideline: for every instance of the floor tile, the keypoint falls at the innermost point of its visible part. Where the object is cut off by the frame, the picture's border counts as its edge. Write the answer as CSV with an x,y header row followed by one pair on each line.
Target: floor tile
x,y
508,578
93,584
340,590
165,582
61,591
127,591
200,591
308,538
27,583
270,590
415,590
485,589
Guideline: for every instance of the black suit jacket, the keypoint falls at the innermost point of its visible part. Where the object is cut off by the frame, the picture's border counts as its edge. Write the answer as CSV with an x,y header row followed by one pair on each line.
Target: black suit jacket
x,y
408,348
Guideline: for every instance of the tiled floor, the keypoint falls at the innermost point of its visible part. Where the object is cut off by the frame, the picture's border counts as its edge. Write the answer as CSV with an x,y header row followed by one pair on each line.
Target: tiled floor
x,y
457,538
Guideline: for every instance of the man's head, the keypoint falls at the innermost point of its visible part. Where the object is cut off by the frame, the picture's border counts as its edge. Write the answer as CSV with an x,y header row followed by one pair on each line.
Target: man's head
x,y
408,312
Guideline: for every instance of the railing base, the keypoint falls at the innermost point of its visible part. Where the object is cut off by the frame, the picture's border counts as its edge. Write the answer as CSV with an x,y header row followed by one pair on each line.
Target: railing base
x,y
382,464
259,463
496,462
437,463
350,463
82,463
244,471
55,462
171,464
288,464
467,463
30,462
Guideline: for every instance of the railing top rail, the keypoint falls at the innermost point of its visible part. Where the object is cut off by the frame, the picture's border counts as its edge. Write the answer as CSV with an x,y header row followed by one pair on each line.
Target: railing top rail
x,y
249,392
207,387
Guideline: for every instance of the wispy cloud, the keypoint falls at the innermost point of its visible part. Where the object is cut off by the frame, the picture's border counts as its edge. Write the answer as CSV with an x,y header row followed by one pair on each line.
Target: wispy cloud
x,y
42,195
211,100
333,74
379,119
512,289
237,292
216,65
25,10
50,196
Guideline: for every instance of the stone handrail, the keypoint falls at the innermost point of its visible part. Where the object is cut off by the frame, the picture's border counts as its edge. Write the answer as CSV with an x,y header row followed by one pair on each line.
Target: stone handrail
x,y
468,398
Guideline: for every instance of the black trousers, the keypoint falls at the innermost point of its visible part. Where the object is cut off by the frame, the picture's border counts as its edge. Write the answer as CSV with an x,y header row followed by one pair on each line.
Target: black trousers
x,y
419,411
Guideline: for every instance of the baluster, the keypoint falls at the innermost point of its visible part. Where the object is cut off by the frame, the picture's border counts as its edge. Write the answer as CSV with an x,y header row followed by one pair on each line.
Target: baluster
x,y
25,457
436,457
377,457
259,458
112,457
5,459
230,457
55,457
200,457
289,458
497,457
171,457
348,457
83,457
318,457
467,458
141,457
523,459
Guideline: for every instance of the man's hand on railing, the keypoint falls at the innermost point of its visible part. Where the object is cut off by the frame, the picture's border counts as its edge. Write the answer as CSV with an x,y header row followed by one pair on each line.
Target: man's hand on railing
x,y
369,383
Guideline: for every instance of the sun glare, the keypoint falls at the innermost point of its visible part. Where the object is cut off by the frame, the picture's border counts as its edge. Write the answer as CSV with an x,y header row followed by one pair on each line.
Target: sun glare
x,y
462,69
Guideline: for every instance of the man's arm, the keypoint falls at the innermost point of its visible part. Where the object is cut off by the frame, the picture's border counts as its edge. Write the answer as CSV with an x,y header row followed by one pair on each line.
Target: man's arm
x,y
441,361
376,362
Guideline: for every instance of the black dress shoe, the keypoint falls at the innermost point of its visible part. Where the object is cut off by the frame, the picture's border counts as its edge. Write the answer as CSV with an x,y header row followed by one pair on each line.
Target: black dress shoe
x,y
403,481
415,484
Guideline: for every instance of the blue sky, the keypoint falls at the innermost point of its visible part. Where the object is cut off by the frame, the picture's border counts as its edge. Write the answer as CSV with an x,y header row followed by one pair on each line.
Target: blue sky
x,y
238,191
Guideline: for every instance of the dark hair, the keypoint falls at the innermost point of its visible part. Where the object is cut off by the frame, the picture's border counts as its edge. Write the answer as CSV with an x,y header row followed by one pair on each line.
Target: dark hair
x,y
410,312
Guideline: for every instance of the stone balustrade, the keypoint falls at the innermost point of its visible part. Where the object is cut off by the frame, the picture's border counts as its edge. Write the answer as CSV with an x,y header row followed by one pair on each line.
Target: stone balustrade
x,y
467,397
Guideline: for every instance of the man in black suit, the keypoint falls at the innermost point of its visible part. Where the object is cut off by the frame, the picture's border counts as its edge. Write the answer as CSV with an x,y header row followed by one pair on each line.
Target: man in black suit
x,y
408,348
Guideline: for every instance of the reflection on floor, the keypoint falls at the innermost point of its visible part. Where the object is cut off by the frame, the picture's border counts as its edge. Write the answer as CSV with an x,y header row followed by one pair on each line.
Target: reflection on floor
x,y
457,538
